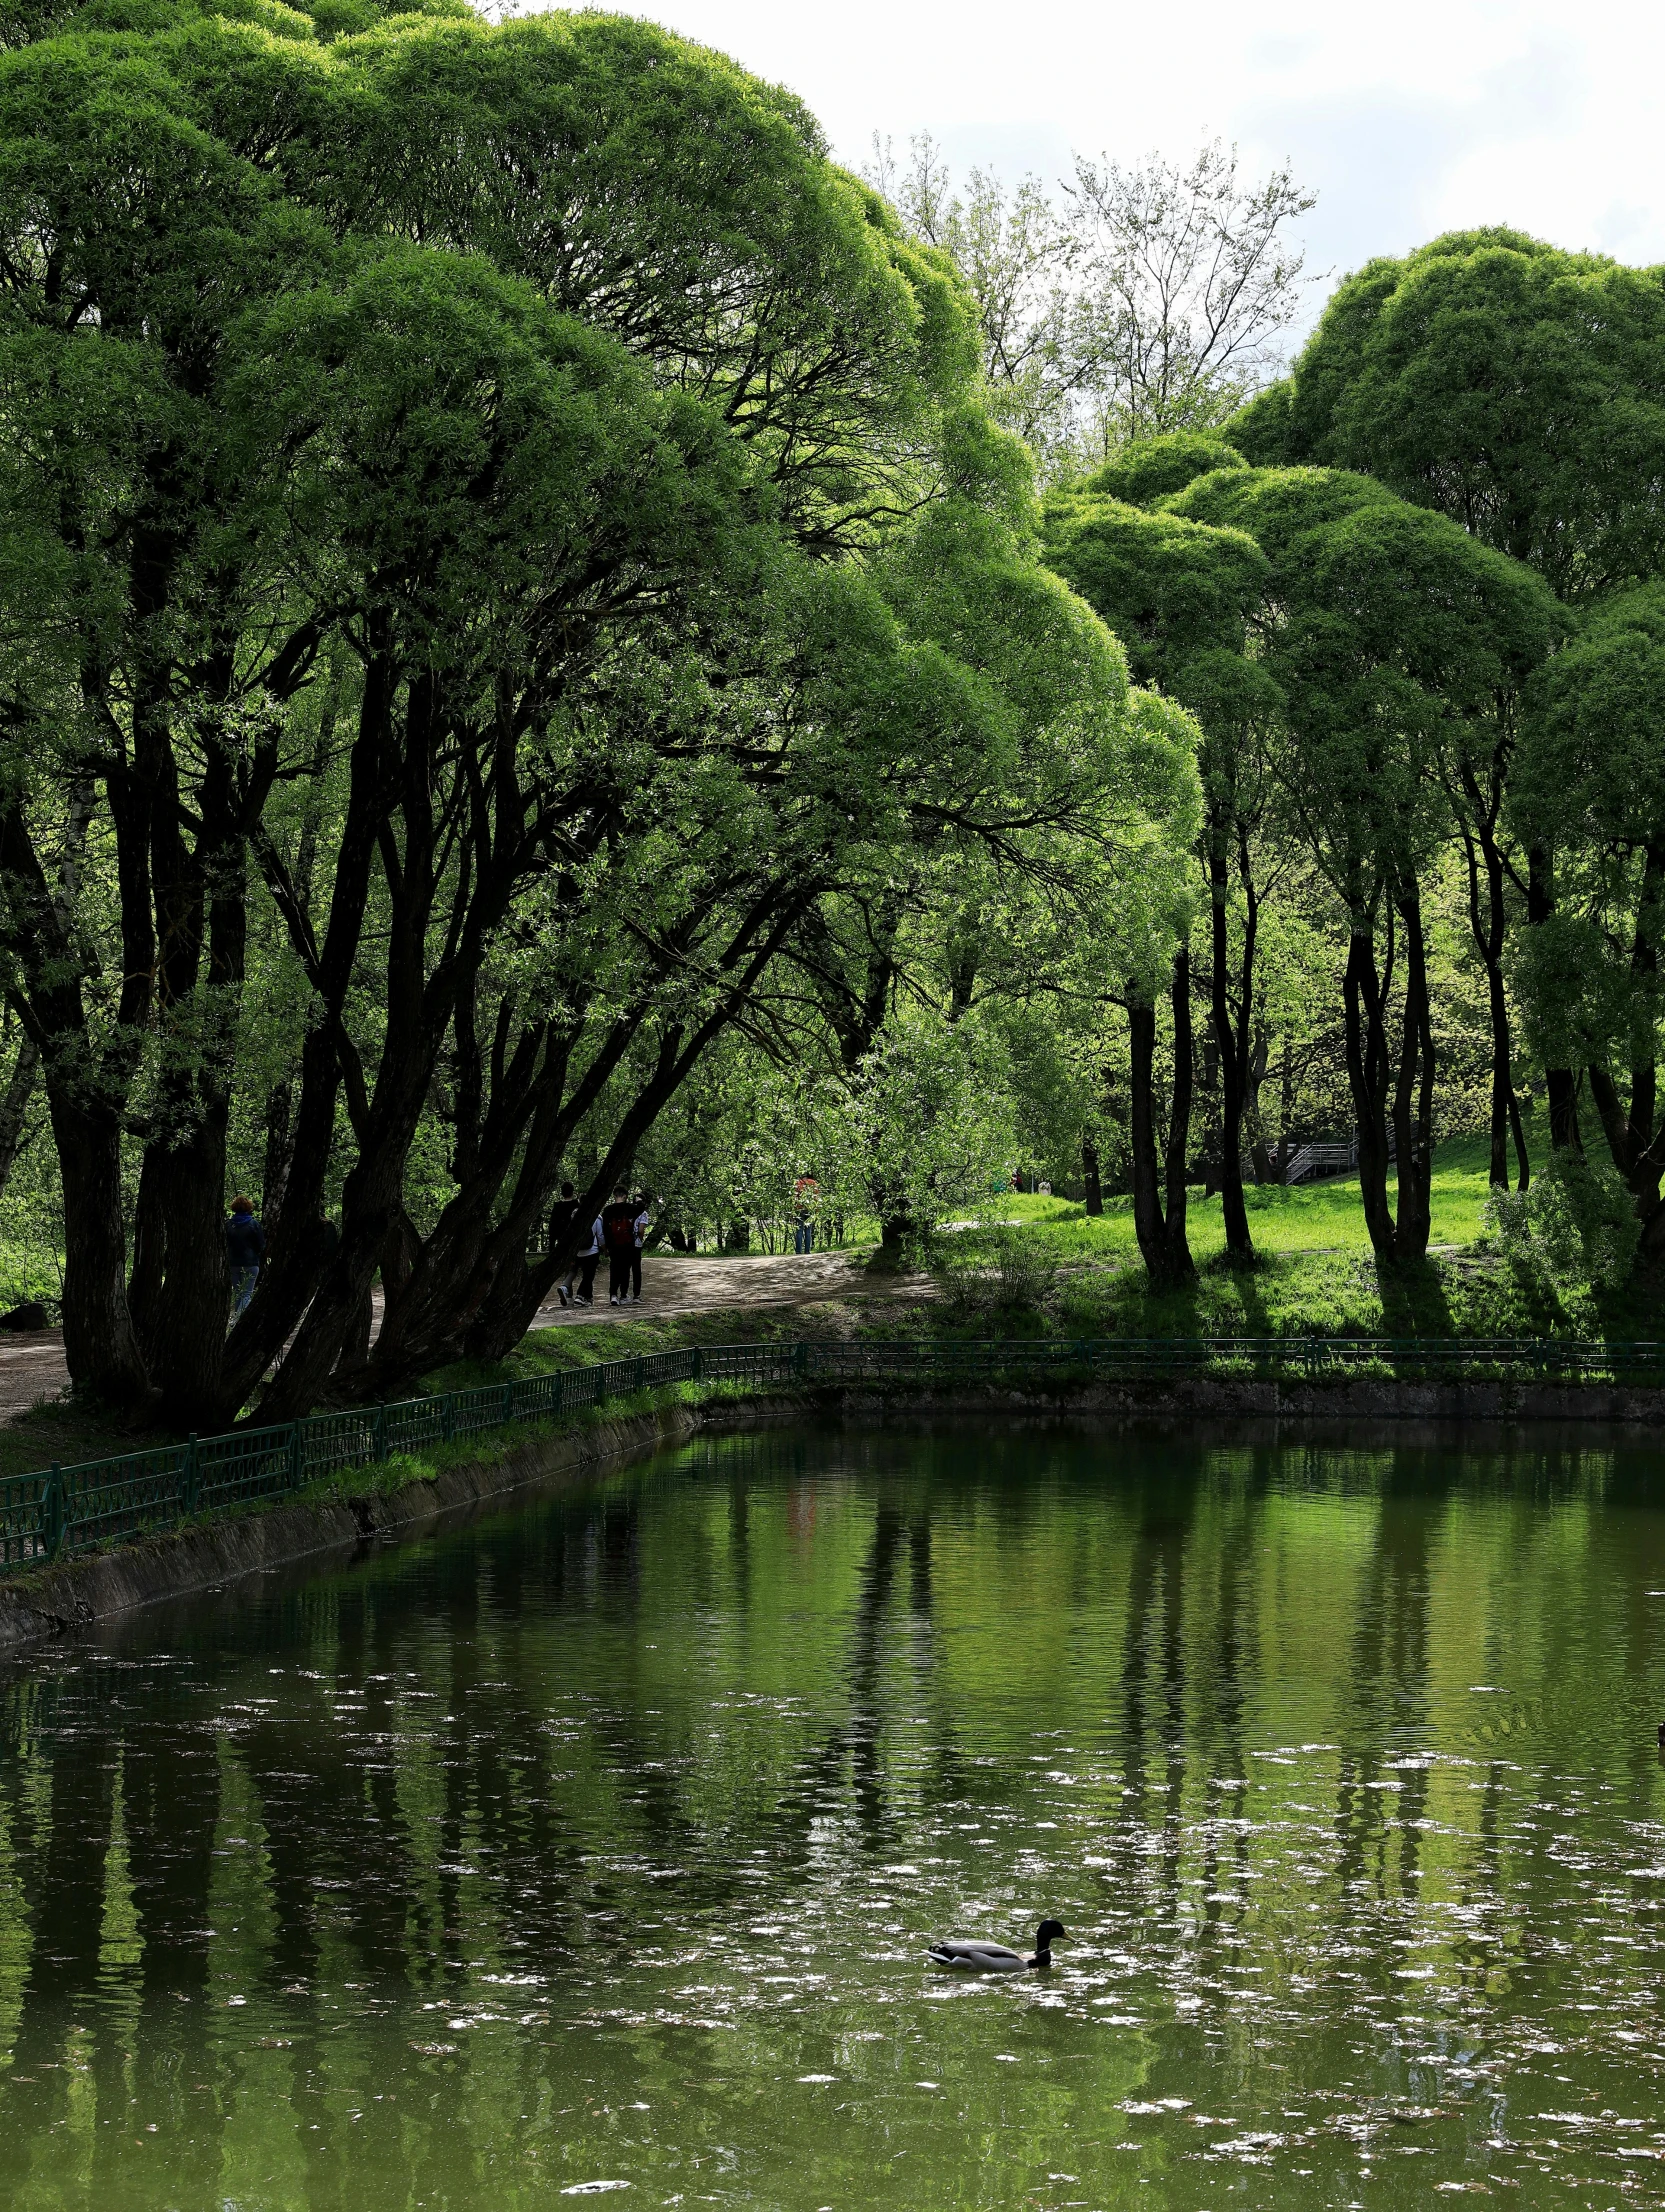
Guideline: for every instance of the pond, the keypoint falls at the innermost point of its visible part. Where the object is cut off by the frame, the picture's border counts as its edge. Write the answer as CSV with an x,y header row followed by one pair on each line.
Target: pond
x,y
594,1849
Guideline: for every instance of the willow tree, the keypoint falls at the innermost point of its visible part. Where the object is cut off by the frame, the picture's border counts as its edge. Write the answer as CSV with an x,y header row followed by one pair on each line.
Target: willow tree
x,y
1388,630
1589,791
1520,391
1183,597
524,441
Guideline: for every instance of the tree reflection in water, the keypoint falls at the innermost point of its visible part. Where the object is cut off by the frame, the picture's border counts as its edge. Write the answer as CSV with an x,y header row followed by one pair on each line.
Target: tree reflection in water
x,y
600,1841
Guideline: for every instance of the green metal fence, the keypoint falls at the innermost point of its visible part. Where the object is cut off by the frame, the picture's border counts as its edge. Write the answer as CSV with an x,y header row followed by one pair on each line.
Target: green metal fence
x,y
65,1511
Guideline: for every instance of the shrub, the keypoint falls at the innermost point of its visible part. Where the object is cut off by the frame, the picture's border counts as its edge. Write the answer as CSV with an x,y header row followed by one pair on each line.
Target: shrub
x,y
1572,1235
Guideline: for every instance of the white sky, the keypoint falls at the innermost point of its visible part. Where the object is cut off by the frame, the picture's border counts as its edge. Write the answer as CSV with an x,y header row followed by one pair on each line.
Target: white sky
x,y
1407,120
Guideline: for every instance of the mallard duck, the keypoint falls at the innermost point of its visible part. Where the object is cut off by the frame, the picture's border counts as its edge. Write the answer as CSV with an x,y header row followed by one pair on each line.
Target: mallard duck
x,y
994,1958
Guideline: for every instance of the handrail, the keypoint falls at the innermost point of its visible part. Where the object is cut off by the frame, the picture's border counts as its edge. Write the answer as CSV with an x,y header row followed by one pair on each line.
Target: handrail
x,y
59,1512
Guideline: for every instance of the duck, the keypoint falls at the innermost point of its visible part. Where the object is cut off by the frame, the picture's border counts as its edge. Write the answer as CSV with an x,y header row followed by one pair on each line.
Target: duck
x,y
995,1958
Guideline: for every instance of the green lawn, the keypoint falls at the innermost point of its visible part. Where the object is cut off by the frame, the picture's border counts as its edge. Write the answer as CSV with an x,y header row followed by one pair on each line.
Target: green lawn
x,y
1314,1275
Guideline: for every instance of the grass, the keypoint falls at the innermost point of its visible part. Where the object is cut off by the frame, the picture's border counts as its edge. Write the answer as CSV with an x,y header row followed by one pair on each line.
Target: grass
x,y
1314,1275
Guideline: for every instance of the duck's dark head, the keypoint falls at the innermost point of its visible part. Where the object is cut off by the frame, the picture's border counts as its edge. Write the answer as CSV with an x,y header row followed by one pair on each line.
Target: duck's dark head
x,y
1047,1932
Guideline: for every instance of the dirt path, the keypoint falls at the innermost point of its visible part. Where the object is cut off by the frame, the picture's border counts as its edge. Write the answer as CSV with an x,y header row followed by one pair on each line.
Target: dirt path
x,y
32,1366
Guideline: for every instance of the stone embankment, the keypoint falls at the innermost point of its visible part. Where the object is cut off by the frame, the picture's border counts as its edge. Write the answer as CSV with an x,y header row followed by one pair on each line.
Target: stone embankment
x,y
80,1593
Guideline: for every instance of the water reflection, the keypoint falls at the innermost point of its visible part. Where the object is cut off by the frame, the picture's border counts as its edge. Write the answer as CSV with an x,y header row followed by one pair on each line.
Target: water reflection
x,y
599,1844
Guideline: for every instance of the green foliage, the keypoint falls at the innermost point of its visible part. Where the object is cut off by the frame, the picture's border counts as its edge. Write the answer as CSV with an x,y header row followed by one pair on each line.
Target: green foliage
x,y
1004,1277
1517,388
926,1125
1150,469
1392,625
1179,594
1572,1235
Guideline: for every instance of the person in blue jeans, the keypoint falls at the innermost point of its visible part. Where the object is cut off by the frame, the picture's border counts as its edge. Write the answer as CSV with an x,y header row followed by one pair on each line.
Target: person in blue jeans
x,y
245,1248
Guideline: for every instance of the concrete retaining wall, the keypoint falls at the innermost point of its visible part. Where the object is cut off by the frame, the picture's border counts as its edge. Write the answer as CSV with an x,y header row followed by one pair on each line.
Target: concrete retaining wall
x,y
82,1592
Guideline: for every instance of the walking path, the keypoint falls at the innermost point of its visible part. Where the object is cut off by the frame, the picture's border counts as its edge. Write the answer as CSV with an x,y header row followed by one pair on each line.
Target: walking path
x,y
32,1365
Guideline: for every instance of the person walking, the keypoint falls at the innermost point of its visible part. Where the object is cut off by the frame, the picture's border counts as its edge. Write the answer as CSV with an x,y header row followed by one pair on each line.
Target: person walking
x,y
245,1248
640,1227
589,1259
806,1193
618,1234
562,1215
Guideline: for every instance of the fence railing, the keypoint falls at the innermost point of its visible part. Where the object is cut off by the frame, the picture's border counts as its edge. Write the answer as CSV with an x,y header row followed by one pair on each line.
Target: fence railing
x,y
62,1512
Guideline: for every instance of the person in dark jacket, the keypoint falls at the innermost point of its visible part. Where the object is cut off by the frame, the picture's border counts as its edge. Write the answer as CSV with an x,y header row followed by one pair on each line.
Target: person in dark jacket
x,y
618,1234
245,1248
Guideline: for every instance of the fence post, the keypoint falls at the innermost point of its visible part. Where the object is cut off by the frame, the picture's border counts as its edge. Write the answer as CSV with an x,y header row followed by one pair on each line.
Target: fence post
x,y
381,1431
52,1513
508,1403
188,1478
448,1417
297,1455
800,1361
696,1365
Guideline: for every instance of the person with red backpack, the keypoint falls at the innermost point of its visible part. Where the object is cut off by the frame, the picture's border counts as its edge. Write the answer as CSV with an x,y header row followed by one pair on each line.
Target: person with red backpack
x,y
618,1236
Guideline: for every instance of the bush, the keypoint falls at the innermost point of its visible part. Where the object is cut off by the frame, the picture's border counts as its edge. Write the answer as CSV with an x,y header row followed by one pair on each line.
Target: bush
x,y
1007,1272
1573,1235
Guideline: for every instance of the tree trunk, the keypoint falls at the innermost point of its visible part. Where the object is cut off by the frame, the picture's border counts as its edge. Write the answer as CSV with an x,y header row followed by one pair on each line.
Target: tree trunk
x,y
1637,1147
1159,1186
1413,1104
1560,1084
150,1251
195,1304
14,1106
1363,992
100,1347
86,1090
280,1152
1090,1177
1231,1040
1259,1152
1179,1122
1148,1225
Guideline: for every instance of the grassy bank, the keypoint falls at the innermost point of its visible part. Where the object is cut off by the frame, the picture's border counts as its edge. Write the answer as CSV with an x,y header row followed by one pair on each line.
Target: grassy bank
x,y
1038,1265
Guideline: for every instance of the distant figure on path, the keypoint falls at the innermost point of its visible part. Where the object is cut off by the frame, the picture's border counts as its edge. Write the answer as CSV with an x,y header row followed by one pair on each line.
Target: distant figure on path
x,y
618,1234
805,1194
245,1248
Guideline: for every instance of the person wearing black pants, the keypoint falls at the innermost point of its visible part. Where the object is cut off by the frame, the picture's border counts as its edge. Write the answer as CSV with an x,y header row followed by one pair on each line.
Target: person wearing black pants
x,y
618,1235
588,1261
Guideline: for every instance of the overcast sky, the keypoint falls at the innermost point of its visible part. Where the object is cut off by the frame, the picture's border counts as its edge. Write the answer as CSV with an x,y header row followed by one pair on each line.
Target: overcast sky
x,y
1407,120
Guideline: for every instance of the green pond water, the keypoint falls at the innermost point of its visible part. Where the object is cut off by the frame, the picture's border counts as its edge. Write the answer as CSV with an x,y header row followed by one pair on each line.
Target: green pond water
x,y
593,1850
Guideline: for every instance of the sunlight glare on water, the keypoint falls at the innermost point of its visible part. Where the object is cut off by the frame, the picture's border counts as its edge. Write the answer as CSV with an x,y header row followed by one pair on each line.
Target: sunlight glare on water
x,y
592,1851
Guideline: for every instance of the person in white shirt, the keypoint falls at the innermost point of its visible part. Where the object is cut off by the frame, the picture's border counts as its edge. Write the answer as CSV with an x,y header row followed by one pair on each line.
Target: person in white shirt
x,y
641,1227
588,1260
